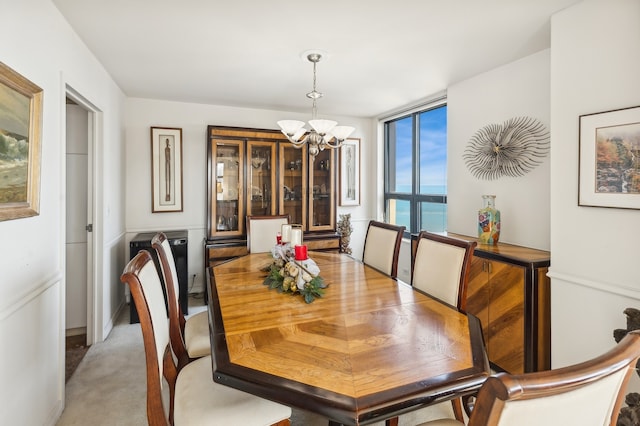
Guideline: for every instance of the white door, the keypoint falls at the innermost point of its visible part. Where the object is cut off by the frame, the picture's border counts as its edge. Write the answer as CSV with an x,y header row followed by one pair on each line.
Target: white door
x,y
78,212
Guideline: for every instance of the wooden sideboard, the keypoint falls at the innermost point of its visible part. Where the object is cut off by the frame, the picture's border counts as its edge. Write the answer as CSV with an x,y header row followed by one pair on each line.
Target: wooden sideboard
x,y
509,292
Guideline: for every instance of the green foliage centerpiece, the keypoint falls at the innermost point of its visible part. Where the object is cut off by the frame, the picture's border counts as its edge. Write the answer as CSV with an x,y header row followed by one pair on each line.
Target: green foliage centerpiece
x,y
288,275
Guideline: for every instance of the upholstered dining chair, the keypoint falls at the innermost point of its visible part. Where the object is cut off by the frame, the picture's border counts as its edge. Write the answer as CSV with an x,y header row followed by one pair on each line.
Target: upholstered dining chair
x,y
585,394
194,398
262,230
190,335
382,247
441,268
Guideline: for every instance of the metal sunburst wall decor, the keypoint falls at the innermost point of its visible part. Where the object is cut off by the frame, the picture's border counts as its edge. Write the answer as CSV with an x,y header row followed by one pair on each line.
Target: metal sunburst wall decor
x,y
512,148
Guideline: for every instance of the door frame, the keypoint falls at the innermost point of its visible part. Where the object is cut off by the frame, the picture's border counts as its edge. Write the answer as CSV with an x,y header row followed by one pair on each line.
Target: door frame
x,y
94,323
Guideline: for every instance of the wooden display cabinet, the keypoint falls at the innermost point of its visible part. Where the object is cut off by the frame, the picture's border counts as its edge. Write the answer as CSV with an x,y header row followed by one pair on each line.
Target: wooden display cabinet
x,y
322,191
226,183
293,171
261,178
509,292
259,172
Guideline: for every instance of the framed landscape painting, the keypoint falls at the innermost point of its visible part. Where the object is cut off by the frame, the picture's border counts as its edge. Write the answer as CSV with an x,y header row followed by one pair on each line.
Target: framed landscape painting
x,y
20,134
166,169
609,174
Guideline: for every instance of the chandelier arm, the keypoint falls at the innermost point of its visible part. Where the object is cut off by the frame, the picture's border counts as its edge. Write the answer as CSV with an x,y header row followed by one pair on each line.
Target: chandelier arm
x,y
330,145
298,144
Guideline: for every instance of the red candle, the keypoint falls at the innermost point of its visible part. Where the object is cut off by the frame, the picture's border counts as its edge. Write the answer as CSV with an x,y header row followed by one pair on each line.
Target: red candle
x,y
301,252
279,238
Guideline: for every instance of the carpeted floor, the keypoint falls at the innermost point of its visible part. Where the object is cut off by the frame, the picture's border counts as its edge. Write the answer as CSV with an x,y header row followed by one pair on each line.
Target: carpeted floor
x,y
109,385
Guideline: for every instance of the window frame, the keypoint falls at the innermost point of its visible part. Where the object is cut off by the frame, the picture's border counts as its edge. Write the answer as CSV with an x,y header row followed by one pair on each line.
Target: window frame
x,y
415,198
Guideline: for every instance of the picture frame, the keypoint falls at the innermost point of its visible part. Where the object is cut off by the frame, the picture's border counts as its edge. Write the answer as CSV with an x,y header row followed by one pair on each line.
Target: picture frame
x,y
20,145
166,169
609,163
350,172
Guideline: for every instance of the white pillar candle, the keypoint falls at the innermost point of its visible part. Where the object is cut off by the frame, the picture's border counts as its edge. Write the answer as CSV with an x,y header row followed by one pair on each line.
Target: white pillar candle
x,y
286,233
296,237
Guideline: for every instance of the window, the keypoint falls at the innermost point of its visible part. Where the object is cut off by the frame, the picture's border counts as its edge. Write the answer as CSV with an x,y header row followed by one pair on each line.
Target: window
x,y
415,183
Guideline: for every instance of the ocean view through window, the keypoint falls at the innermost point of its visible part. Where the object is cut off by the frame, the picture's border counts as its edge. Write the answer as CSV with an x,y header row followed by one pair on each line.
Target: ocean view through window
x,y
416,169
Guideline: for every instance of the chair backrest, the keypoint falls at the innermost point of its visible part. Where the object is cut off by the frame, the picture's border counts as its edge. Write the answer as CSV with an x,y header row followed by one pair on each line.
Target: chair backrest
x,y
146,290
441,267
382,247
589,393
161,245
262,230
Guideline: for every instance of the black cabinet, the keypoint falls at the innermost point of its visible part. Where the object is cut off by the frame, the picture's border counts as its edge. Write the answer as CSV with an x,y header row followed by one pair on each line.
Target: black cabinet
x,y
178,241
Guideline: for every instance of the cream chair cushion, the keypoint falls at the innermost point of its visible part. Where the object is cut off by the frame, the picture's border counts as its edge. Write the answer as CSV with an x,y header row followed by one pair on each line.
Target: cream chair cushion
x,y
437,269
380,245
196,335
587,405
196,327
154,295
262,233
199,401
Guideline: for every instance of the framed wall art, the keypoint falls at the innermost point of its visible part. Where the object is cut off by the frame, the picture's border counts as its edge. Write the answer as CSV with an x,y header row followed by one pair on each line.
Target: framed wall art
x,y
609,164
20,139
166,169
350,172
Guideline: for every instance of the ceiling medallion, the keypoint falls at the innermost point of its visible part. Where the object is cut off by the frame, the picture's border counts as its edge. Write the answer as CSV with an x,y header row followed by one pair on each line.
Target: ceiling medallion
x,y
512,148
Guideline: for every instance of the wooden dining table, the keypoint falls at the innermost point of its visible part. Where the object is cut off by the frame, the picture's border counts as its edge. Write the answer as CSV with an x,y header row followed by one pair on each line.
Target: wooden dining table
x,y
370,349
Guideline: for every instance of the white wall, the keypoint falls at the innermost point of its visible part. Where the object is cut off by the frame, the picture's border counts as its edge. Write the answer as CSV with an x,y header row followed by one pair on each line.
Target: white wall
x,y
193,119
518,89
40,45
595,57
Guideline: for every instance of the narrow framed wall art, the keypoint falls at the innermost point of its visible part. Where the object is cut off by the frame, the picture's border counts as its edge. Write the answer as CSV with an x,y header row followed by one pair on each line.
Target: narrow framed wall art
x,y
166,169
350,172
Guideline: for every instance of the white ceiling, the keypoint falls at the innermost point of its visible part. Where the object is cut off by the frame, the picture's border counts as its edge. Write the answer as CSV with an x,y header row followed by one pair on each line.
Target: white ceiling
x,y
382,55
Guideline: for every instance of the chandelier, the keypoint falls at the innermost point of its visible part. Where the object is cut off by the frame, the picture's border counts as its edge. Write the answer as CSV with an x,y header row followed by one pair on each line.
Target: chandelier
x,y
322,133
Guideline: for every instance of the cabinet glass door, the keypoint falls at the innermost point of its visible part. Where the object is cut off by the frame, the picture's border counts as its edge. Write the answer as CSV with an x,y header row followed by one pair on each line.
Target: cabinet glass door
x,y
261,178
322,191
227,200
293,185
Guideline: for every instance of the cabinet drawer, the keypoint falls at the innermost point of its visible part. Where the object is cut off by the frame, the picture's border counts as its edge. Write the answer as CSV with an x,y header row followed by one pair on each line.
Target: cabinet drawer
x,y
226,252
332,244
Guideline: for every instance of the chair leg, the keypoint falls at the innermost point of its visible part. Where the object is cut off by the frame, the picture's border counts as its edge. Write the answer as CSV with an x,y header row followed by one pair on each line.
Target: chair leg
x,y
457,409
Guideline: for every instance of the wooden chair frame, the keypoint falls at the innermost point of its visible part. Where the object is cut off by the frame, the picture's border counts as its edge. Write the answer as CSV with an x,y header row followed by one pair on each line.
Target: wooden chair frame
x,y
155,405
461,303
468,246
503,387
399,229
177,320
170,371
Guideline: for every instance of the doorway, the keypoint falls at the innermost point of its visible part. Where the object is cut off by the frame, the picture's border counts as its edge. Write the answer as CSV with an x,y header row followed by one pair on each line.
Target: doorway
x,y
79,267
